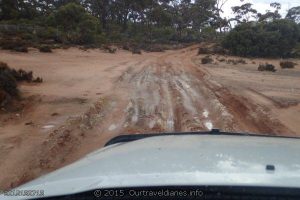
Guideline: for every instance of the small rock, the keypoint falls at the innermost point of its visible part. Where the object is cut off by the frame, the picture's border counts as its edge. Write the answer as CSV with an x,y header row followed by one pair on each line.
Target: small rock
x,y
48,126
29,123
112,127
54,114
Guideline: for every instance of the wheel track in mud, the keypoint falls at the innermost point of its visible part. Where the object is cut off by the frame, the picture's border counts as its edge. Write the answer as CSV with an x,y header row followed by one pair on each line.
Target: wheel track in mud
x,y
166,97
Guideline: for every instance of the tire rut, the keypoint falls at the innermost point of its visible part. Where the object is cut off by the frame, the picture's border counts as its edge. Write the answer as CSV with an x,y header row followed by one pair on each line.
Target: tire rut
x,y
165,97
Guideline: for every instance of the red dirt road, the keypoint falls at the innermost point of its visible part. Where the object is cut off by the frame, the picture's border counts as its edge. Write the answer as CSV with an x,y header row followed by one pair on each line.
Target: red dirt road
x,y
89,97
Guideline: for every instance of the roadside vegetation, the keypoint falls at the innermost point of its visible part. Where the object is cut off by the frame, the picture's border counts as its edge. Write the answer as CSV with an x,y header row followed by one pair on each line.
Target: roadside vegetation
x,y
8,84
264,35
9,79
147,25
266,67
93,23
287,64
259,39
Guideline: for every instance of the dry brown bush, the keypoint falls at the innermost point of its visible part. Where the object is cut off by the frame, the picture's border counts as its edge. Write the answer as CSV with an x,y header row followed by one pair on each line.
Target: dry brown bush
x,y
287,64
206,60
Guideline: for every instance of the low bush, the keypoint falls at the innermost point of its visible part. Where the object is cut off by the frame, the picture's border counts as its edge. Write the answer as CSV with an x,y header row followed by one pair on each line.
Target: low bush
x,y
221,59
206,60
241,61
161,35
136,51
8,83
235,62
215,49
266,67
37,80
3,97
126,47
57,46
113,50
203,50
14,44
109,49
19,75
48,34
287,64
21,49
45,49
22,75
154,48
231,61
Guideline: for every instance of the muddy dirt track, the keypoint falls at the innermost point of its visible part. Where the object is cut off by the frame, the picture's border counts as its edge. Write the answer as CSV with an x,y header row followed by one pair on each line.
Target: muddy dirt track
x,y
89,97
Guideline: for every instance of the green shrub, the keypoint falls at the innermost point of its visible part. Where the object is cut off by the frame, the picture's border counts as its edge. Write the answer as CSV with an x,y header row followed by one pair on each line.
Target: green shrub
x,y
115,32
77,26
136,51
126,47
162,35
48,33
18,75
273,39
45,49
22,75
208,33
235,62
8,83
266,67
203,50
296,50
15,44
218,49
214,49
21,49
153,48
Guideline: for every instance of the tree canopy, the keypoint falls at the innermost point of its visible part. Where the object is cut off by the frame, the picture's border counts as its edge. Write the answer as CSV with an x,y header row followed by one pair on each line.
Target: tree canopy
x,y
96,21
294,14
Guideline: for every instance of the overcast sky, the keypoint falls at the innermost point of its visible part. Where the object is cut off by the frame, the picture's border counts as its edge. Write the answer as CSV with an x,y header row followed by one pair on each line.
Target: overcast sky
x,y
260,5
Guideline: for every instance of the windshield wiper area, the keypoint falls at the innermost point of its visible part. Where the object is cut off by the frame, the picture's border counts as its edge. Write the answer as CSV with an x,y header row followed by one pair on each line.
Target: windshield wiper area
x,y
130,138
